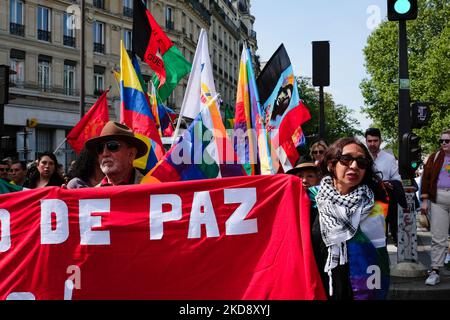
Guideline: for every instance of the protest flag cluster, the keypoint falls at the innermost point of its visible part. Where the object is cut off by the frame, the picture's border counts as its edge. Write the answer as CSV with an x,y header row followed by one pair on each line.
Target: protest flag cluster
x,y
135,112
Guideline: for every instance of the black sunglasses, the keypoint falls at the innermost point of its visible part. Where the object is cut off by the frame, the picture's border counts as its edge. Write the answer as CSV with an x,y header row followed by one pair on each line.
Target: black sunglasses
x,y
318,152
441,141
112,146
347,160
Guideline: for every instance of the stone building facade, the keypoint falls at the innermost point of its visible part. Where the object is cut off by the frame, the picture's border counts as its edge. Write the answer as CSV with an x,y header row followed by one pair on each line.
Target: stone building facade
x,y
40,40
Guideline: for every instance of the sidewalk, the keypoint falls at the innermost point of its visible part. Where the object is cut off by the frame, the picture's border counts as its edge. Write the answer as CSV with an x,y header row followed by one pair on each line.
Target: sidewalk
x,y
403,288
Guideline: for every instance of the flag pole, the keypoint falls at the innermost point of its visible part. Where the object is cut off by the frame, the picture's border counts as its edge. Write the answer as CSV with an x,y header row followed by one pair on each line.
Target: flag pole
x,y
60,145
82,61
181,112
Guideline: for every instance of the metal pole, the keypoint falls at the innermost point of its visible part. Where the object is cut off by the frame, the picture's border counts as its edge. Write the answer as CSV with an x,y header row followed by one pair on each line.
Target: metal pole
x,y
322,114
408,264
82,60
25,147
404,121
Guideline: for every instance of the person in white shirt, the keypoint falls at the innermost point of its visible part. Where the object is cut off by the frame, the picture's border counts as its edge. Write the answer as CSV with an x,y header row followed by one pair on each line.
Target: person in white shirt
x,y
384,161
387,165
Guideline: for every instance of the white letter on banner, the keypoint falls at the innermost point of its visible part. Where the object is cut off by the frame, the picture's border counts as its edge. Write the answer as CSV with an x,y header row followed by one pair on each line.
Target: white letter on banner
x,y
87,222
236,223
207,217
5,233
61,233
158,217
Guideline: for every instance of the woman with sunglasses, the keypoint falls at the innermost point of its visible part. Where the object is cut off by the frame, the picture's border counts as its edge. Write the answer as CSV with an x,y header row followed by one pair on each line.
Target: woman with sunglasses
x,y
46,174
348,226
435,195
318,150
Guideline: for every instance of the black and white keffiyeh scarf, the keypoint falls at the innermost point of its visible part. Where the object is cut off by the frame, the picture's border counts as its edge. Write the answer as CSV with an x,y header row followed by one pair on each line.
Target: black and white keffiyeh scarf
x,y
339,217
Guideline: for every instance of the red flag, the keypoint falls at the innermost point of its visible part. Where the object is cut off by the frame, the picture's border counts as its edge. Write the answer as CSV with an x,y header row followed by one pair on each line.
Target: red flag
x,y
150,42
90,125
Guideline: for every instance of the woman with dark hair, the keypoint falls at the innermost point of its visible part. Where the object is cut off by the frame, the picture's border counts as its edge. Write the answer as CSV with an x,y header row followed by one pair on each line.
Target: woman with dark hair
x,y
86,171
46,174
348,225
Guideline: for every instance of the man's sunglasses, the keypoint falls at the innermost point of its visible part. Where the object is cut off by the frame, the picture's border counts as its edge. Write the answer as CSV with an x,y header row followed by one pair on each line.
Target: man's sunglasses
x,y
112,146
347,160
442,141
318,152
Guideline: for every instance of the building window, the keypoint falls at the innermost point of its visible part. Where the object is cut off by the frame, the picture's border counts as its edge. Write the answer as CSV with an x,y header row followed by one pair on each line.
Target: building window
x,y
99,37
169,18
44,141
43,24
128,8
16,25
127,39
44,72
69,30
99,80
69,77
17,64
99,4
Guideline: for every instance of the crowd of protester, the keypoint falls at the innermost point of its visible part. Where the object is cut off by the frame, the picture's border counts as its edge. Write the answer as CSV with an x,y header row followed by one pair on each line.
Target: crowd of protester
x,y
355,190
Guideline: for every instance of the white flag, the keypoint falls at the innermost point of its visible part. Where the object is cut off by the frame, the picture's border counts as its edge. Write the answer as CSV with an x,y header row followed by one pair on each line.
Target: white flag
x,y
200,87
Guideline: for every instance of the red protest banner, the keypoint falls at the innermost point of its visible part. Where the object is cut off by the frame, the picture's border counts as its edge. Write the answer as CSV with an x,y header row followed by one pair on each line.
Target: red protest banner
x,y
234,238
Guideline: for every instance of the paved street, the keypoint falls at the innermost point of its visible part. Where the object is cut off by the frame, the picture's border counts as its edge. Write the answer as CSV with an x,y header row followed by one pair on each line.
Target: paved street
x,y
403,288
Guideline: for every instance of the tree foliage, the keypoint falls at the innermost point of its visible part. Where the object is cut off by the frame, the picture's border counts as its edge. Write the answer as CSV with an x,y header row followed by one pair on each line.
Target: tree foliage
x,y
338,118
429,71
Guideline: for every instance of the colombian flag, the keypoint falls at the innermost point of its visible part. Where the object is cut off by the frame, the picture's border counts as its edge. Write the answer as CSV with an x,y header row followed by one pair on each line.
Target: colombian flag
x,y
135,113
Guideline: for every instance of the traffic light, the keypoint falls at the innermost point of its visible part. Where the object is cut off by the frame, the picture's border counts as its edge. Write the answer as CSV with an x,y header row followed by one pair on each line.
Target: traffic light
x,y
411,153
4,84
402,10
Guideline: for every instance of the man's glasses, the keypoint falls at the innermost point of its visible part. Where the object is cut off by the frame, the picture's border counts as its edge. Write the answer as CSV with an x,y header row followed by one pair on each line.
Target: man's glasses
x,y
4,169
347,160
112,146
442,141
318,151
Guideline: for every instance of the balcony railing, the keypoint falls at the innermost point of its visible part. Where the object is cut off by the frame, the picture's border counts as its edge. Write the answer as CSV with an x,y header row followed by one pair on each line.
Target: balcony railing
x,y
45,88
44,35
200,9
99,47
128,12
170,25
244,28
69,41
98,92
99,4
71,92
17,29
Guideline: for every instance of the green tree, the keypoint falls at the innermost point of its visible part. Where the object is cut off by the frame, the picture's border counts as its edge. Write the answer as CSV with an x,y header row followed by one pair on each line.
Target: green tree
x,y
338,118
429,71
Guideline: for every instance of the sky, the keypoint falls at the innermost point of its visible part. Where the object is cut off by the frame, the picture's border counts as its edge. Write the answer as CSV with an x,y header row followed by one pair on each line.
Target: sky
x,y
346,24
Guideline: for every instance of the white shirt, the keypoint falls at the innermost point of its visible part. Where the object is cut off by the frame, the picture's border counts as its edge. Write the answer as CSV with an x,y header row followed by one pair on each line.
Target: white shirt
x,y
387,165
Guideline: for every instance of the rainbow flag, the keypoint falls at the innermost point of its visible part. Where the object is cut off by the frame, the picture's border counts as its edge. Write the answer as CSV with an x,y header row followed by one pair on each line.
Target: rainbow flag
x,y
250,139
135,113
202,152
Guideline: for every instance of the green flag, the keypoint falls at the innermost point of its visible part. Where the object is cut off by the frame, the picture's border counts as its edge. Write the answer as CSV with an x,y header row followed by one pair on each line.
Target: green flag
x,y
6,187
229,118
176,68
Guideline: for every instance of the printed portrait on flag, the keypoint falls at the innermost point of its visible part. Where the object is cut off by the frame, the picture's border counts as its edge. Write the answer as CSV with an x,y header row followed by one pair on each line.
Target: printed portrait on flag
x,y
283,98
